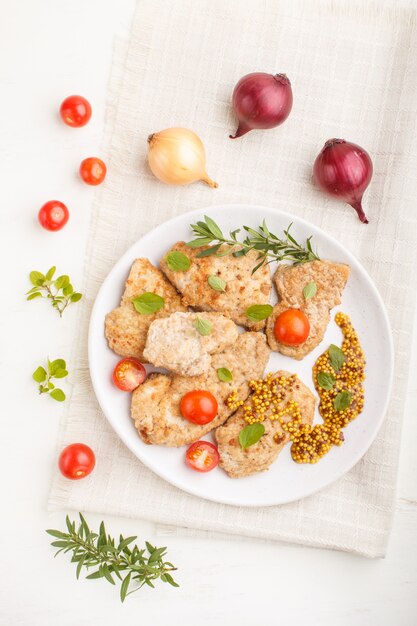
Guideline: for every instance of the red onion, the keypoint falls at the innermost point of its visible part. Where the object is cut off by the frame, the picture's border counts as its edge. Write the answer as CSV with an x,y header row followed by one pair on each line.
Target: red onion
x,y
261,101
344,170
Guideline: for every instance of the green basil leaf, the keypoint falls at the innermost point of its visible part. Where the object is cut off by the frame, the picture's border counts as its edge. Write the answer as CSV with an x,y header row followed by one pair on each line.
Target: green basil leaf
x,y
36,278
58,395
54,366
216,283
177,261
250,434
39,375
68,290
148,303
224,375
61,373
34,295
326,380
50,273
336,356
203,326
259,312
62,281
310,290
75,297
342,400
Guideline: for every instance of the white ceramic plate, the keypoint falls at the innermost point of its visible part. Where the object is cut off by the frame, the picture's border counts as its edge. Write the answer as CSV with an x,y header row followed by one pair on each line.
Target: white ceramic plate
x,y
285,481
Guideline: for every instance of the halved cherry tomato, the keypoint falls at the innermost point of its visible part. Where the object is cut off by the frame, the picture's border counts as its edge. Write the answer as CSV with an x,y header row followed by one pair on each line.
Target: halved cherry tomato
x,y
93,170
76,461
53,215
202,456
75,111
128,374
199,407
292,327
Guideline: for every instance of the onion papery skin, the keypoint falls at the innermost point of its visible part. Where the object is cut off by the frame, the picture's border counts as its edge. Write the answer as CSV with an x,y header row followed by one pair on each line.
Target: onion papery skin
x,y
177,157
344,170
261,101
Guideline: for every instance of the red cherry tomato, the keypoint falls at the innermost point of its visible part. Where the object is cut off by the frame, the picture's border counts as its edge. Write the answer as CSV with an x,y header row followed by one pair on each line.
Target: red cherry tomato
x,y
53,215
292,327
202,456
128,374
199,407
76,461
93,171
75,111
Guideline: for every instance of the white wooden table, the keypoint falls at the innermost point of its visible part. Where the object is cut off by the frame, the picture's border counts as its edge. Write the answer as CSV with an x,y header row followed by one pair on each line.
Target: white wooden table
x,y
52,49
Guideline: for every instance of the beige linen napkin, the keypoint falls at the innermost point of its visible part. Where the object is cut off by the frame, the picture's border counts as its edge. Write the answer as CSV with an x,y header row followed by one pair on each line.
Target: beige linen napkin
x,y
354,75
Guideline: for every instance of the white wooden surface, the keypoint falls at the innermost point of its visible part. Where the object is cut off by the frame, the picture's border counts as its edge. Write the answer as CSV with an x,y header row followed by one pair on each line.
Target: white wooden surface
x,y
50,49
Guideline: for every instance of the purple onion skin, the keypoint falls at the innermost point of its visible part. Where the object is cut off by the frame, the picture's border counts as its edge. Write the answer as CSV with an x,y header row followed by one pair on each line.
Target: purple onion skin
x,y
262,101
344,170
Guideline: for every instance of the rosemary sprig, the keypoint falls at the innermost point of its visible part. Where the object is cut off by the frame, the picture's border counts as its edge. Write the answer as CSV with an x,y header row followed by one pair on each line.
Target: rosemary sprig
x,y
59,291
133,567
269,247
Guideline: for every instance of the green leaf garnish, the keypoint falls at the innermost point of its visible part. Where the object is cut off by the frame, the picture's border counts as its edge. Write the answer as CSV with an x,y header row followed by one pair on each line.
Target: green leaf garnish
x,y
342,401
268,246
39,375
259,312
134,567
310,290
60,291
204,327
55,369
216,283
177,261
57,394
224,375
148,303
250,434
336,356
326,380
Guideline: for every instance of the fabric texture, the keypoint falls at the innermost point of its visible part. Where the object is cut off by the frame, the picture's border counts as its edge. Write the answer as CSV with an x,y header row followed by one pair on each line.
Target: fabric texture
x,y
354,74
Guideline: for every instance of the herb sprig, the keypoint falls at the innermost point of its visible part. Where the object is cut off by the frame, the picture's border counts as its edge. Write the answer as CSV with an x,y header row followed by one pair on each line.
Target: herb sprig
x,y
56,369
59,291
134,567
269,247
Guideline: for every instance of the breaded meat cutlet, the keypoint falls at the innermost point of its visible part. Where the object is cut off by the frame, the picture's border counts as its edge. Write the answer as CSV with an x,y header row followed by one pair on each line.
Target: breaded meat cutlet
x,y
243,289
125,328
239,462
175,342
155,404
290,281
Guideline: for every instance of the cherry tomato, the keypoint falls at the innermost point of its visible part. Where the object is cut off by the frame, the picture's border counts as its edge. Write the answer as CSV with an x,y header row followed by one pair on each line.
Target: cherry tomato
x,y
93,171
75,111
202,456
53,215
199,407
128,374
292,327
76,461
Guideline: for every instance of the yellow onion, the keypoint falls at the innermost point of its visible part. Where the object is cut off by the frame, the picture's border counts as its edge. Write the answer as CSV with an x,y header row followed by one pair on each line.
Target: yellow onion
x,y
177,157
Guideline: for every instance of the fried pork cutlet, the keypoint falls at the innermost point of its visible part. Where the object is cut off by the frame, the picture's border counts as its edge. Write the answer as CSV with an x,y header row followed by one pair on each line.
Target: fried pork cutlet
x,y
155,404
176,343
290,280
239,462
125,328
243,289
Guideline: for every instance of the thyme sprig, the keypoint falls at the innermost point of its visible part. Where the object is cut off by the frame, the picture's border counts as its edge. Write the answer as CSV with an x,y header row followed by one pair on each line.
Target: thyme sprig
x,y
132,566
270,248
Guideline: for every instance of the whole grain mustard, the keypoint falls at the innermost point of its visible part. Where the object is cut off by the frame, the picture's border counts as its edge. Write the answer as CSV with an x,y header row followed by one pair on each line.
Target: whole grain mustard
x,y
311,442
